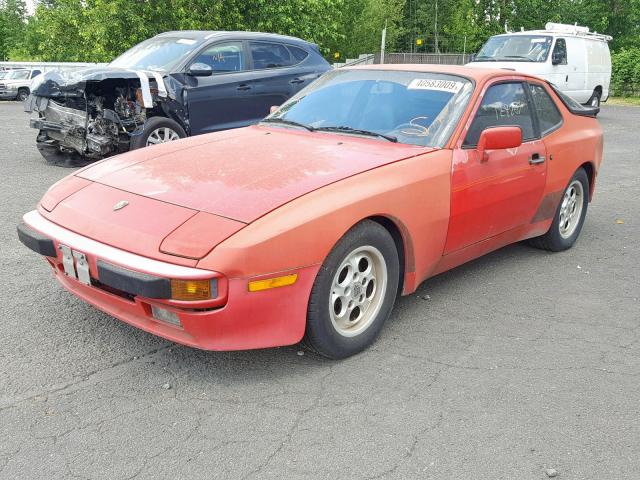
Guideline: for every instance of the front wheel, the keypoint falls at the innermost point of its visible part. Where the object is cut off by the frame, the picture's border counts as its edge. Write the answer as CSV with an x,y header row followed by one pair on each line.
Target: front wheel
x,y
157,130
569,217
354,292
23,94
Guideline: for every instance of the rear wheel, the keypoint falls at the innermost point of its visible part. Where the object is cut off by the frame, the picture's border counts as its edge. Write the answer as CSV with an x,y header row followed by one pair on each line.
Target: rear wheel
x,y
354,292
158,130
569,217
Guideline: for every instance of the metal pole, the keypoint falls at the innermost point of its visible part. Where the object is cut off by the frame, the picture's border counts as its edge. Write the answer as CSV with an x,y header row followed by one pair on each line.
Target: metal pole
x,y
384,39
436,28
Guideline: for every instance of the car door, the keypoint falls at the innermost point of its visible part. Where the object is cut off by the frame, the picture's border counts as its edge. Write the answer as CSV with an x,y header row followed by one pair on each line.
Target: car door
x,y
221,100
276,74
501,191
559,70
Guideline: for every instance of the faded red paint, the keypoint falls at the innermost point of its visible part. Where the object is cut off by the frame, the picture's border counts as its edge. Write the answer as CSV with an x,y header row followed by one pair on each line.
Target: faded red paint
x,y
259,202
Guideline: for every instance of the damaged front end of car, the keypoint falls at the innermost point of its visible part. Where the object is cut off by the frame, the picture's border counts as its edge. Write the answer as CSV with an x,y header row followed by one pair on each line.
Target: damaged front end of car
x,y
86,115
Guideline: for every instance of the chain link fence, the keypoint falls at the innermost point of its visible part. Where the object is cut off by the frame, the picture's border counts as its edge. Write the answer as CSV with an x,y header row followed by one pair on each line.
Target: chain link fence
x,y
428,58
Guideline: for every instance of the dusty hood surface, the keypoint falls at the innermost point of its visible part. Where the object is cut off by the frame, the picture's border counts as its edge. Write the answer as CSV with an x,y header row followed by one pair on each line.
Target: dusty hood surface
x,y
243,174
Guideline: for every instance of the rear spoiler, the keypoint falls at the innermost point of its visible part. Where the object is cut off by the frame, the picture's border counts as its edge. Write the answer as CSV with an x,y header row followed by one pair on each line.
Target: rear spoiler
x,y
575,107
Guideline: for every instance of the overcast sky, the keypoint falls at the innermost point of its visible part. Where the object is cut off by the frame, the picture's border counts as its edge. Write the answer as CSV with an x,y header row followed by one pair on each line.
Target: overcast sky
x,y
31,6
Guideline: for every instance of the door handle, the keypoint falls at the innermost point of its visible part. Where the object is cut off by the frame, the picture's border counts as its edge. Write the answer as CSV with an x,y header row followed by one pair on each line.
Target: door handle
x,y
244,86
297,80
536,159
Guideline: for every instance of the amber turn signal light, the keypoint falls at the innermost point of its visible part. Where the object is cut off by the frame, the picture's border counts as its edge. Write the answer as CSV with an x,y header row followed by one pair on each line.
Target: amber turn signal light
x,y
192,289
258,285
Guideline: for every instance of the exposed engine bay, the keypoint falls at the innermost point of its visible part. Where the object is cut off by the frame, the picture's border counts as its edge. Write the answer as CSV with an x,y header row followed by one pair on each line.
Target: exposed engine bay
x,y
92,115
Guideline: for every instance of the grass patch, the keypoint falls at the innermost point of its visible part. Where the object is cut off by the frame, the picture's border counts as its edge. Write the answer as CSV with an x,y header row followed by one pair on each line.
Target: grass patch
x,y
626,101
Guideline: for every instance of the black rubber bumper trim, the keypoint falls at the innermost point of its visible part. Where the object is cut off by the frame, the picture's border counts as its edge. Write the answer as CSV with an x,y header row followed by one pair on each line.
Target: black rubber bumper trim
x,y
134,283
36,241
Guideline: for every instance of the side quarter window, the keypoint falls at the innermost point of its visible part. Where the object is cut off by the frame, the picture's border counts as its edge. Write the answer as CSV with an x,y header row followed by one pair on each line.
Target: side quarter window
x,y
298,53
504,104
270,55
223,57
549,117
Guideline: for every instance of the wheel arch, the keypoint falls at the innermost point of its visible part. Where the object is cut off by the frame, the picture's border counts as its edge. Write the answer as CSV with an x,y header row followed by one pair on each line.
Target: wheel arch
x,y
404,245
590,170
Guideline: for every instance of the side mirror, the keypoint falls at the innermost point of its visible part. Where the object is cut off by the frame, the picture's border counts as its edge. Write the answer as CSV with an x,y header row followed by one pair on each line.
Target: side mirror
x,y
498,138
556,58
200,70
273,108
472,57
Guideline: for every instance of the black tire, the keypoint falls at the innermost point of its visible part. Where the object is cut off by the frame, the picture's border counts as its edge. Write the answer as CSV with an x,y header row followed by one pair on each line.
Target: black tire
x,y
554,240
23,94
594,101
151,125
322,335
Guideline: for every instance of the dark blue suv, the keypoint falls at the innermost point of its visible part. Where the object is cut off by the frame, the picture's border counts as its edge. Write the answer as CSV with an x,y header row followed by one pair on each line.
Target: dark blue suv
x,y
170,86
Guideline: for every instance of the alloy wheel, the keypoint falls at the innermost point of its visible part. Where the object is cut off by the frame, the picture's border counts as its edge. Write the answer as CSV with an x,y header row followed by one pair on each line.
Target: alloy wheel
x,y
162,135
358,291
571,209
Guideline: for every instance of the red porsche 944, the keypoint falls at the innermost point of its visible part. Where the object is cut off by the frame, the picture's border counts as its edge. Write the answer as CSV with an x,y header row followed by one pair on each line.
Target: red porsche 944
x,y
310,224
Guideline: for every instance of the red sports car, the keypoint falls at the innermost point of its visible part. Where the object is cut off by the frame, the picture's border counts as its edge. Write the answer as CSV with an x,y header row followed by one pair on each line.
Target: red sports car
x,y
310,224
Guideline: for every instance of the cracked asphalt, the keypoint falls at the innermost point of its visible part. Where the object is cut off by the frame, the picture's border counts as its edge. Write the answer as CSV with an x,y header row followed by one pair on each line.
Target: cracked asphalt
x,y
515,363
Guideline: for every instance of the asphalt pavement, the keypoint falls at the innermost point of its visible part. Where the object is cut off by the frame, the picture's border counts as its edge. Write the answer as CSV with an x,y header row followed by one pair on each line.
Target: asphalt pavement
x,y
517,363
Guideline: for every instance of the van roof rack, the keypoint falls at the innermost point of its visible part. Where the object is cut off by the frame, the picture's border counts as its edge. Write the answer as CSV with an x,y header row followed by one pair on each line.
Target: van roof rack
x,y
576,30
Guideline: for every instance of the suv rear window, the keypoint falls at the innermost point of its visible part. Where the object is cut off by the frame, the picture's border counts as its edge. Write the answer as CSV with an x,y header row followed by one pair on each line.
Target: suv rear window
x,y
270,55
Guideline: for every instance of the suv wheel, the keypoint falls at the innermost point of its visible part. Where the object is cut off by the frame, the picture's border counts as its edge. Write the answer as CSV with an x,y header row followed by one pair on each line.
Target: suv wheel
x,y
157,130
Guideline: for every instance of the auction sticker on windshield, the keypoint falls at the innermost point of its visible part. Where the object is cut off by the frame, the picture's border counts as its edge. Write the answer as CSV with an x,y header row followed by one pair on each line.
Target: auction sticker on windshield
x,y
432,84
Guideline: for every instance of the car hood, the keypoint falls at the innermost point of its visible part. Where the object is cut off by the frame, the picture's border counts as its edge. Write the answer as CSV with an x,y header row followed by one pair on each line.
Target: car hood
x,y
243,174
65,83
24,81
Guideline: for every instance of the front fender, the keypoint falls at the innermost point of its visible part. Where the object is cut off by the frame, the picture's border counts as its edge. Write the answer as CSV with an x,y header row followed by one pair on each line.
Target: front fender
x,y
413,193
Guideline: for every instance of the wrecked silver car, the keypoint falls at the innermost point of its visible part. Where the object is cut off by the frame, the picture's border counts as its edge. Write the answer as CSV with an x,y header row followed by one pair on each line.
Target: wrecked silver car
x,y
168,87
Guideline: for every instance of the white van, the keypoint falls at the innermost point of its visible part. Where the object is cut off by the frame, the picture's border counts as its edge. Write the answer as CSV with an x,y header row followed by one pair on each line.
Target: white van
x,y
577,61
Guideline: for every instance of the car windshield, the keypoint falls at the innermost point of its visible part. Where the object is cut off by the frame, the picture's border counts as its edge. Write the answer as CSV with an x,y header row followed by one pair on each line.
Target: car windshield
x,y
515,48
17,75
157,54
417,108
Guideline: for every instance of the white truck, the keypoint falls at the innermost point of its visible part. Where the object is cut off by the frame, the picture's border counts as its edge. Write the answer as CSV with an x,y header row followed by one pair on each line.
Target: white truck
x,y
574,59
16,84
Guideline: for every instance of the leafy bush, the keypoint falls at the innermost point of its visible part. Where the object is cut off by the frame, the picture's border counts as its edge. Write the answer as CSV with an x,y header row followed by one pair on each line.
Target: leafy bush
x,y
625,79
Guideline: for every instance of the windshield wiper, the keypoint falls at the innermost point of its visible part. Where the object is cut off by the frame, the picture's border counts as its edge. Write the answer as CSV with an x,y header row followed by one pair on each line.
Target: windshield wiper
x,y
284,121
518,56
356,131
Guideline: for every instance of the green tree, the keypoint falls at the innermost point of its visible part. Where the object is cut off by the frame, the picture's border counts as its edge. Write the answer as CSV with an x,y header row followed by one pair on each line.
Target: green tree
x,y
12,25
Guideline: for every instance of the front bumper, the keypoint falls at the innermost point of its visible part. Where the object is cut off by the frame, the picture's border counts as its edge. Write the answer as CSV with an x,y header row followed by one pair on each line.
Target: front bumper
x,y
236,320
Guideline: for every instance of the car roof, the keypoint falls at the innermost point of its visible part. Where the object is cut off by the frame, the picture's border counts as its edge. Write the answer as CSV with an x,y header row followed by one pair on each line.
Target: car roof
x,y
477,74
203,35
